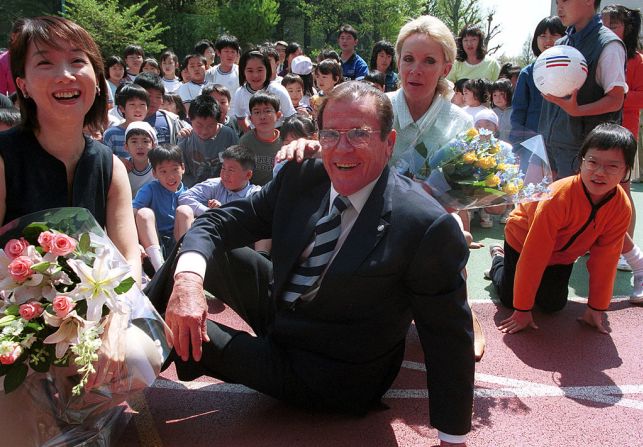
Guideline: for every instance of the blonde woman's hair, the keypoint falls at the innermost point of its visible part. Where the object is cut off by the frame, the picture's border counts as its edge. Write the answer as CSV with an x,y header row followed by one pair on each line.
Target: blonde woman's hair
x,y
436,30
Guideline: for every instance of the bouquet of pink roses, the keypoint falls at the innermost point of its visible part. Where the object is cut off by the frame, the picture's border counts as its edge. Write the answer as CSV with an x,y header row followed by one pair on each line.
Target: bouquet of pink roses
x,y
77,336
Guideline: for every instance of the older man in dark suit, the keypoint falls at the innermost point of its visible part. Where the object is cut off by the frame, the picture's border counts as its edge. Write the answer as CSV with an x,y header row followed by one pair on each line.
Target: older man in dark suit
x,y
359,252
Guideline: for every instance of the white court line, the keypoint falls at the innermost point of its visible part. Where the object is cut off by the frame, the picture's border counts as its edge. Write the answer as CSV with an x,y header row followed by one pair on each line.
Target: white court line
x,y
610,394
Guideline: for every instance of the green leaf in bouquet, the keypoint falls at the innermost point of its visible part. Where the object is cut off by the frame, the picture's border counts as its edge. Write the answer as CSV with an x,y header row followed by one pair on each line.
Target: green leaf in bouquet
x,y
124,286
14,309
85,243
7,319
61,362
33,230
41,267
41,356
34,326
14,378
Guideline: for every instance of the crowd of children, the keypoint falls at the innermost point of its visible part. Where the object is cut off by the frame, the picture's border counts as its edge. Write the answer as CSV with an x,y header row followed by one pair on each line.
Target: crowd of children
x,y
199,133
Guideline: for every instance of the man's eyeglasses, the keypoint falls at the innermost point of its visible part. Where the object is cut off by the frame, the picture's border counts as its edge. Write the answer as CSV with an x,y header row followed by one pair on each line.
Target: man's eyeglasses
x,y
593,165
358,138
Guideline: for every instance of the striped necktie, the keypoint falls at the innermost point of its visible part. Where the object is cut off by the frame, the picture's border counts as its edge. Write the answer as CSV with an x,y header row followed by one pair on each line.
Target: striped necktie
x,y
327,231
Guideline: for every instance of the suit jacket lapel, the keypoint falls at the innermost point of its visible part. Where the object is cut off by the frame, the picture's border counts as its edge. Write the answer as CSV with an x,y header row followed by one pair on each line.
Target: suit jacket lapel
x,y
369,228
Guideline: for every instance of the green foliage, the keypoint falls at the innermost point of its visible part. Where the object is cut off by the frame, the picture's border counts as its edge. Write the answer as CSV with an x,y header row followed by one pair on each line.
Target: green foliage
x,y
114,27
457,13
252,21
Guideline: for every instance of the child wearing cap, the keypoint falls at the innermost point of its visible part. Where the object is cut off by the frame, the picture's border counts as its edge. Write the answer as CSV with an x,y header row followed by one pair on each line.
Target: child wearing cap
x,y
487,119
132,102
140,138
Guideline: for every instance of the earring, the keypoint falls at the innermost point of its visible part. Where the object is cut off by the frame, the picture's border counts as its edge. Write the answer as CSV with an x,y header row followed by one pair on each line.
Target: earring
x,y
97,90
25,94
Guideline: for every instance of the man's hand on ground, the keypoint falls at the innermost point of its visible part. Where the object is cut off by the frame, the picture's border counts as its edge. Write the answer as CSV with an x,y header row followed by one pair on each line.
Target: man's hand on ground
x,y
186,316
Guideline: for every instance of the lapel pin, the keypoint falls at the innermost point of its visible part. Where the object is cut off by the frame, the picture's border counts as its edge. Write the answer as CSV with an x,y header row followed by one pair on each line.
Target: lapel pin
x,y
380,228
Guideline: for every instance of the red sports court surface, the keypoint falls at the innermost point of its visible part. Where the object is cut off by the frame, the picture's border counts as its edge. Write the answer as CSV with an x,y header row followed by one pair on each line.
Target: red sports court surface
x,y
564,384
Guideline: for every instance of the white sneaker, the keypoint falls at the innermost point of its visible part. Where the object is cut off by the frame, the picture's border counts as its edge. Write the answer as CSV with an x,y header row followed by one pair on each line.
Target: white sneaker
x,y
505,216
637,293
486,221
623,265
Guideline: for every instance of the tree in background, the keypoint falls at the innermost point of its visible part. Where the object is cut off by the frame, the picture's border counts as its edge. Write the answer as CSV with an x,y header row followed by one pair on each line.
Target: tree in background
x,y
114,27
251,21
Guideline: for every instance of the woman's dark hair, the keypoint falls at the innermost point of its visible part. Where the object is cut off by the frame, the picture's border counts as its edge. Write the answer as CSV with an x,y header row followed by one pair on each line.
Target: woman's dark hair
x,y
53,31
631,20
479,88
551,24
608,136
178,102
111,61
474,31
254,54
502,85
169,54
387,47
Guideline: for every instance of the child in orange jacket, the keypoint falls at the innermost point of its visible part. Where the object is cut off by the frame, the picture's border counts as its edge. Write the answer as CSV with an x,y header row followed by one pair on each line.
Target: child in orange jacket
x,y
587,212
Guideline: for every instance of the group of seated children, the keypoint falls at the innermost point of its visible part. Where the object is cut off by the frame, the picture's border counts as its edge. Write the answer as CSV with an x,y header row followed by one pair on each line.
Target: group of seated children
x,y
208,161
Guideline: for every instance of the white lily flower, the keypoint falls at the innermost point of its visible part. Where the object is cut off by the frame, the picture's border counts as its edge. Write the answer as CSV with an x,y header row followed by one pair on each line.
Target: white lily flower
x,y
69,329
98,282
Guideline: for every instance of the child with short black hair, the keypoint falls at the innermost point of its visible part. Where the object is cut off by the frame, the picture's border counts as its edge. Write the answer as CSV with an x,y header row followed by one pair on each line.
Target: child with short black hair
x,y
132,101
114,72
226,72
476,96
133,56
167,124
458,92
208,139
169,71
376,78
222,96
328,74
238,164
254,75
353,66
172,102
501,93
155,204
294,84
151,65
273,57
544,239
140,139
196,64
205,48
264,140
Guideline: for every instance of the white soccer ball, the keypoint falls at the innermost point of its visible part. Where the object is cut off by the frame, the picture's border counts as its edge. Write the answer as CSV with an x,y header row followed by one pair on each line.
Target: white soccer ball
x,y
560,70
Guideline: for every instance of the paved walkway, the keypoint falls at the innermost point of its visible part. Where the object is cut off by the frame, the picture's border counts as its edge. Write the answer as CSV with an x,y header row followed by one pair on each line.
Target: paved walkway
x,y
564,384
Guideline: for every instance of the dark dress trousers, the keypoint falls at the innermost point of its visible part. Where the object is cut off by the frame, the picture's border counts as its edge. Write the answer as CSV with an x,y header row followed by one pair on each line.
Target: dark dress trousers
x,y
402,261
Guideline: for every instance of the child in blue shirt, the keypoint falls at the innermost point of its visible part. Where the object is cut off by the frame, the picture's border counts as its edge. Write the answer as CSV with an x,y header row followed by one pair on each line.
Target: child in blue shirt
x,y
155,204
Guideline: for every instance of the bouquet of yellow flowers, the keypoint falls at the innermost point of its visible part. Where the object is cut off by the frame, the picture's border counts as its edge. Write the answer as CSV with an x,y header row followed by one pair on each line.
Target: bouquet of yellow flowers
x,y
77,335
476,170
